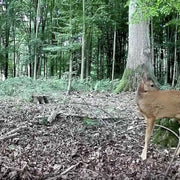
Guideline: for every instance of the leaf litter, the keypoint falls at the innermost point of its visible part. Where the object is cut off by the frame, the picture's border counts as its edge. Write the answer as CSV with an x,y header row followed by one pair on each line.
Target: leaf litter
x,y
92,136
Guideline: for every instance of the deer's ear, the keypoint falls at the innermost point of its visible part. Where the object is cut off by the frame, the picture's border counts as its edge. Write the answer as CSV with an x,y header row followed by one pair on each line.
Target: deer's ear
x,y
144,77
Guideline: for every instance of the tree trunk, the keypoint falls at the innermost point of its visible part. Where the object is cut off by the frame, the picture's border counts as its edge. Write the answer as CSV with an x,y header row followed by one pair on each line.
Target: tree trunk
x,y
114,53
83,43
98,57
14,49
89,37
175,56
7,52
139,54
7,33
71,53
70,75
36,34
152,43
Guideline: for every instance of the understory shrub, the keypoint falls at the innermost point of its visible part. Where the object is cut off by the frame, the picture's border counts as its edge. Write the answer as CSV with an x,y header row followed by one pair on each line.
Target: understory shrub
x,y
25,87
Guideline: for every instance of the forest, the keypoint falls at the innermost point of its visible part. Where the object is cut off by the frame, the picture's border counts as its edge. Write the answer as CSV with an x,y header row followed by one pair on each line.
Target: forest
x,y
69,72
41,38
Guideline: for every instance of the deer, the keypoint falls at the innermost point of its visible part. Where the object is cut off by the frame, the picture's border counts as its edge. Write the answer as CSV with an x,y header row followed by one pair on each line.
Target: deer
x,y
156,104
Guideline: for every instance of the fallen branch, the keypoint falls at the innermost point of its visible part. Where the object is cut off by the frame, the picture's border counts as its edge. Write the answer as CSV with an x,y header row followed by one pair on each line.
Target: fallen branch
x,y
13,133
56,113
65,172
9,136
16,130
52,117
69,169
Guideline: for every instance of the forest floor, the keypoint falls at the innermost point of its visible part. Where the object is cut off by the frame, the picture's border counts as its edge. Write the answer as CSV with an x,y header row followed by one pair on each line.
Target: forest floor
x,y
91,136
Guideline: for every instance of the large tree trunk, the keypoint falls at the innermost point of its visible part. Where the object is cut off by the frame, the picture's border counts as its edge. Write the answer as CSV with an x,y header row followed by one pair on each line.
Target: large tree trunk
x,y
139,54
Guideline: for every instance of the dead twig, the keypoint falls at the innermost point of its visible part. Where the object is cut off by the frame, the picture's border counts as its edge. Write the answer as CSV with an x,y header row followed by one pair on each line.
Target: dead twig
x,y
12,133
69,169
16,130
65,172
52,117
9,136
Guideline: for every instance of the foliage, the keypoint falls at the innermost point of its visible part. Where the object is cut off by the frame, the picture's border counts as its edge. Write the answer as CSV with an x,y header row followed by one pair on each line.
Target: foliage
x,y
154,8
164,137
24,87
90,122
60,35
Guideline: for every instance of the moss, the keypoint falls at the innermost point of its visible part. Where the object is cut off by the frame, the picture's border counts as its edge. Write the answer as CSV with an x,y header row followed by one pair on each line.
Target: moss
x,y
130,80
132,77
164,137
124,84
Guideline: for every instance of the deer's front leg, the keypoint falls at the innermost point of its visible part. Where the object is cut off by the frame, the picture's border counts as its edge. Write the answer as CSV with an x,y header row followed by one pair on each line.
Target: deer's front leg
x,y
149,129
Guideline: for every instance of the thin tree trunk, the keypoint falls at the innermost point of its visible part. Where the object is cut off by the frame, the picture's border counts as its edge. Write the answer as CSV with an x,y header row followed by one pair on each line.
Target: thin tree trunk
x,y
7,54
88,53
114,53
36,34
7,33
98,58
70,60
29,46
175,56
83,43
152,43
165,66
70,75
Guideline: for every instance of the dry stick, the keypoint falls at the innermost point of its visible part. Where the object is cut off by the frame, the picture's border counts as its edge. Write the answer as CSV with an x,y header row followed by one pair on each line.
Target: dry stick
x,y
12,133
52,117
16,169
88,105
175,153
66,171
9,136
16,130
132,128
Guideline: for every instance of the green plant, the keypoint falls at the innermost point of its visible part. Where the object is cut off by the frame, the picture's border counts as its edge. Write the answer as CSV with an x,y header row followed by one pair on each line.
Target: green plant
x,y
164,137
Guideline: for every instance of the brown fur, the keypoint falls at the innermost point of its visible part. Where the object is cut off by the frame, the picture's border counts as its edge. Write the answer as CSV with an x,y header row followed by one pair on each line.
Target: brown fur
x,y
156,104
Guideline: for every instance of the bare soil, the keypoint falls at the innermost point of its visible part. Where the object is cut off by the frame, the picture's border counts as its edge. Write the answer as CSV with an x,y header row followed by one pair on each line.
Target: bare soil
x,y
94,136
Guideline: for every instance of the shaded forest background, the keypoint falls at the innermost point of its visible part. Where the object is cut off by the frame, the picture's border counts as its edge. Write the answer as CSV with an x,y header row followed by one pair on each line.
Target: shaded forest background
x,y
45,38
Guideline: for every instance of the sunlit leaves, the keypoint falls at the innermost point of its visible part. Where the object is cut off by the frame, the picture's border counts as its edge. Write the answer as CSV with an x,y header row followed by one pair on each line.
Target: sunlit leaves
x,y
152,8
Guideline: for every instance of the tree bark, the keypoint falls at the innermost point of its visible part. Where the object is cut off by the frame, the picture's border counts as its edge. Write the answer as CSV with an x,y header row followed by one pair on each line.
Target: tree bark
x,y
83,43
139,54
139,42
71,53
175,56
114,53
152,43
36,34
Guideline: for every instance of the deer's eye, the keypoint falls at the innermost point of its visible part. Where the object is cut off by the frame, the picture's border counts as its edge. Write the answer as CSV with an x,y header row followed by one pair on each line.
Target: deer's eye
x,y
152,85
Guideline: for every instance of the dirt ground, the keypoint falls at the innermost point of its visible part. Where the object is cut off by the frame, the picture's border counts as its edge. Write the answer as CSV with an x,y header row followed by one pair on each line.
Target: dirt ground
x,y
80,136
